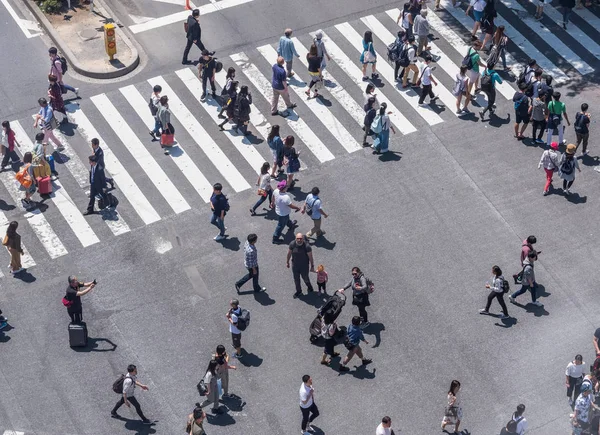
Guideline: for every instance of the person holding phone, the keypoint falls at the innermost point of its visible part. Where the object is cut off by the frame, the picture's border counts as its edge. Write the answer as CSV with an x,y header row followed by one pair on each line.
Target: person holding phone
x,y
75,290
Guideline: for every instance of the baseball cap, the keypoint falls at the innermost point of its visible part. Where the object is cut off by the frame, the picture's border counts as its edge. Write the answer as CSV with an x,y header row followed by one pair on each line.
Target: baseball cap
x,y
554,145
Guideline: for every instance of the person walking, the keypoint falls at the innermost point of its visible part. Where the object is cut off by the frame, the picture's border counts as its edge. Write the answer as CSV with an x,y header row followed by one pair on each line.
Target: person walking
x,y
276,146
251,264
528,281
566,168
328,332
287,50
360,294
265,190
283,206
368,57
99,153
527,247
550,162
154,104
75,290
207,67
496,287
26,179
556,110
370,114
453,414
421,29
313,208
405,20
128,398
300,252
211,382
474,74
241,111
314,70
385,427
477,6
225,92
291,159
538,114
97,184
164,117
56,99
509,429
459,90
196,421
219,204
582,408
381,126
57,70
522,113
567,9
280,89
236,335
352,343
498,50
321,51
12,241
582,128
322,278
8,142
487,23
230,105
408,61
426,80
223,368
574,378
193,35
308,407
46,121
488,86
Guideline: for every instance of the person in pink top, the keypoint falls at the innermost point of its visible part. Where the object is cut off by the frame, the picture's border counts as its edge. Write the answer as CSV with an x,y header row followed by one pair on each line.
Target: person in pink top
x,y
56,70
527,247
322,278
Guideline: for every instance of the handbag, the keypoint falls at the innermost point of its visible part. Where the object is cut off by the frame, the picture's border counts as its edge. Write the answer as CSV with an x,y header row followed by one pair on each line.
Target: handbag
x,y
202,388
167,138
369,56
262,192
451,411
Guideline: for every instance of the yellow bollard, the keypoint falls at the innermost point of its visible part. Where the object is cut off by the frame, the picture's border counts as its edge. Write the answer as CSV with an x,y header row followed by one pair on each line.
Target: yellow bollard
x,y
110,40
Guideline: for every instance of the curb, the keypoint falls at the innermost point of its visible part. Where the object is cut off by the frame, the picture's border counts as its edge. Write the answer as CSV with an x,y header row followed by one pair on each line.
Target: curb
x,y
71,58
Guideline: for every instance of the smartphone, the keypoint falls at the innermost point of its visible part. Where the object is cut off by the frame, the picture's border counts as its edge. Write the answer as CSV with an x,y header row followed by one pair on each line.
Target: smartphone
x,y
94,282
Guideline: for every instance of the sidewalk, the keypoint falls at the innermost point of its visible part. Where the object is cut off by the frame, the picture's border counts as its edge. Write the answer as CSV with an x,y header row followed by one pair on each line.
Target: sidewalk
x,y
79,35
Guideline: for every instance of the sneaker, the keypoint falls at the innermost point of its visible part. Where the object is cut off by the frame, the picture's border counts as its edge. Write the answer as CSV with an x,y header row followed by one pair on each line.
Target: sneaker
x,y
504,317
262,289
203,96
374,75
459,112
484,311
435,97
219,237
3,325
540,141
235,355
364,325
546,192
237,287
77,92
365,79
538,304
344,369
297,294
14,272
114,415
366,361
511,300
466,110
310,428
148,422
568,192
422,105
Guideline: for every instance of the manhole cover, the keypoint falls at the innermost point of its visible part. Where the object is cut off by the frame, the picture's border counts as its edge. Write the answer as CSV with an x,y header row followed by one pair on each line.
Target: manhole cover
x,y
88,33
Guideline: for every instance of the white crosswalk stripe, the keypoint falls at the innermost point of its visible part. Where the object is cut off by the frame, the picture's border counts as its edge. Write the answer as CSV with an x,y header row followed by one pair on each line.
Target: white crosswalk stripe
x,y
302,130
140,153
549,37
411,97
332,124
13,432
182,159
591,18
354,72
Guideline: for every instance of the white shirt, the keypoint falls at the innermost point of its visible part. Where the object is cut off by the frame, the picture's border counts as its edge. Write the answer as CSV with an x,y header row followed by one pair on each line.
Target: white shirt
x,y
383,430
129,385
282,203
521,425
304,392
478,5
265,181
574,370
412,55
232,328
426,79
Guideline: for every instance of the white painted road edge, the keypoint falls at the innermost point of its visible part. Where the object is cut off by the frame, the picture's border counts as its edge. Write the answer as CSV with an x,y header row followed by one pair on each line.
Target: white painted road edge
x,y
24,25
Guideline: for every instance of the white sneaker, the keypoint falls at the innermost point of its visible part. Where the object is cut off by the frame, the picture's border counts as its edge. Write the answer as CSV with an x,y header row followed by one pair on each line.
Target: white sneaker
x,y
77,92
538,304
484,311
218,237
310,428
511,300
503,317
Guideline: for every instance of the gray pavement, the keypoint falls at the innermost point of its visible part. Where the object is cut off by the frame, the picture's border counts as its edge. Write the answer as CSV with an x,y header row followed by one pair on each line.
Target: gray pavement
x,y
426,223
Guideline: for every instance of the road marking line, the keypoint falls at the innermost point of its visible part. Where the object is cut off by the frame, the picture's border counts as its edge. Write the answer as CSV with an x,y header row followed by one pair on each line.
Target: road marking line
x,y
181,158
310,139
23,24
26,260
182,16
122,178
387,72
239,141
203,139
588,16
139,152
517,39
344,62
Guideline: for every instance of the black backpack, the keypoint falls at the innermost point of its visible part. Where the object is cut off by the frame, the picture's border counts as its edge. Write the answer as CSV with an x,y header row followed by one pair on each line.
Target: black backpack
x,y
403,59
567,166
63,64
505,286
392,51
468,59
580,119
218,66
486,81
243,319
152,107
369,117
118,384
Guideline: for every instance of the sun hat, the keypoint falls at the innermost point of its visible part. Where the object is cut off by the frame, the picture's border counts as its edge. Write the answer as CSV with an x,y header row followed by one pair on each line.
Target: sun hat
x,y
571,148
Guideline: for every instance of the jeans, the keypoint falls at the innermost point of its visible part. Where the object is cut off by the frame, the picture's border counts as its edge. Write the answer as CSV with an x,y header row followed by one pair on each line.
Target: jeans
x,y
135,404
311,411
247,277
532,289
206,78
282,221
566,13
219,223
262,199
424,92
298,272
157,126
68,88
500,297
188,45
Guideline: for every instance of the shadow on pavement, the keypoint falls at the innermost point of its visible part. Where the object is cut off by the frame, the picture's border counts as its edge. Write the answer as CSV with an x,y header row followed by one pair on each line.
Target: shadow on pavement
x,y
250,360
93,346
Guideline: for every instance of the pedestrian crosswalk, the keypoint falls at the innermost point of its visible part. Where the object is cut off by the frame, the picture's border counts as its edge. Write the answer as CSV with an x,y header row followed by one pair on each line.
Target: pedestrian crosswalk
x,y
152,186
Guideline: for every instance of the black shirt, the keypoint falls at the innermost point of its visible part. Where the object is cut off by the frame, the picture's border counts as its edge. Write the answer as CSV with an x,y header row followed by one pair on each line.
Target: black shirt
x,y
314,63
300,253
72,296
207,66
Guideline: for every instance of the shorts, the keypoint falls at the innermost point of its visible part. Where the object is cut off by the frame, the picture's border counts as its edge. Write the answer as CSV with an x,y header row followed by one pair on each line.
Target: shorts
x,y
473,75
31,188
522,118
236,340
478,15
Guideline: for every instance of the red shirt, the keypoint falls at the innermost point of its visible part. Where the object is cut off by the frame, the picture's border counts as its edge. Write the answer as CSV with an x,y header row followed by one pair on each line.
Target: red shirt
x,y
10,138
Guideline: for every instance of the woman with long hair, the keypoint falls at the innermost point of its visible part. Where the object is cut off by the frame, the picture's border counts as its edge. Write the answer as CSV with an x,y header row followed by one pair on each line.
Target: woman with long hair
x,y
498,50
242,111
405,20
368,56
12,241
229,105
225,91
56,99
383,124
496,287
291,160
264,187
212,394
453,413
8,141
276,146
314,70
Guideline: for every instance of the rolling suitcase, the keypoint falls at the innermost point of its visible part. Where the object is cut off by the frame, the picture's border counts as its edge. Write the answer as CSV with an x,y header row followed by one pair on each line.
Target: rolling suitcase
x,y
44,185
50,160
78,334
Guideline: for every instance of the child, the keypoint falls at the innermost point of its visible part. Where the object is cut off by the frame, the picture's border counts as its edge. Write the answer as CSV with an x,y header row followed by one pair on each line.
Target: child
x,y
322,278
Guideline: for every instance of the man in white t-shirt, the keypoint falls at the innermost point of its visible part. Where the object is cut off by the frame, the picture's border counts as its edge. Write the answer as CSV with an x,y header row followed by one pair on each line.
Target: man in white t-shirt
x,y
384,427
236,334
307,404
520,419
426,80
283,207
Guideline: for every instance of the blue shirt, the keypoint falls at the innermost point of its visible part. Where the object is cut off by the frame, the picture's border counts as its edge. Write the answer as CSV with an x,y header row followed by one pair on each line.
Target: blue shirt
x,y
219,202
494,76
313,203
355,334
286,49
46,113
279,76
